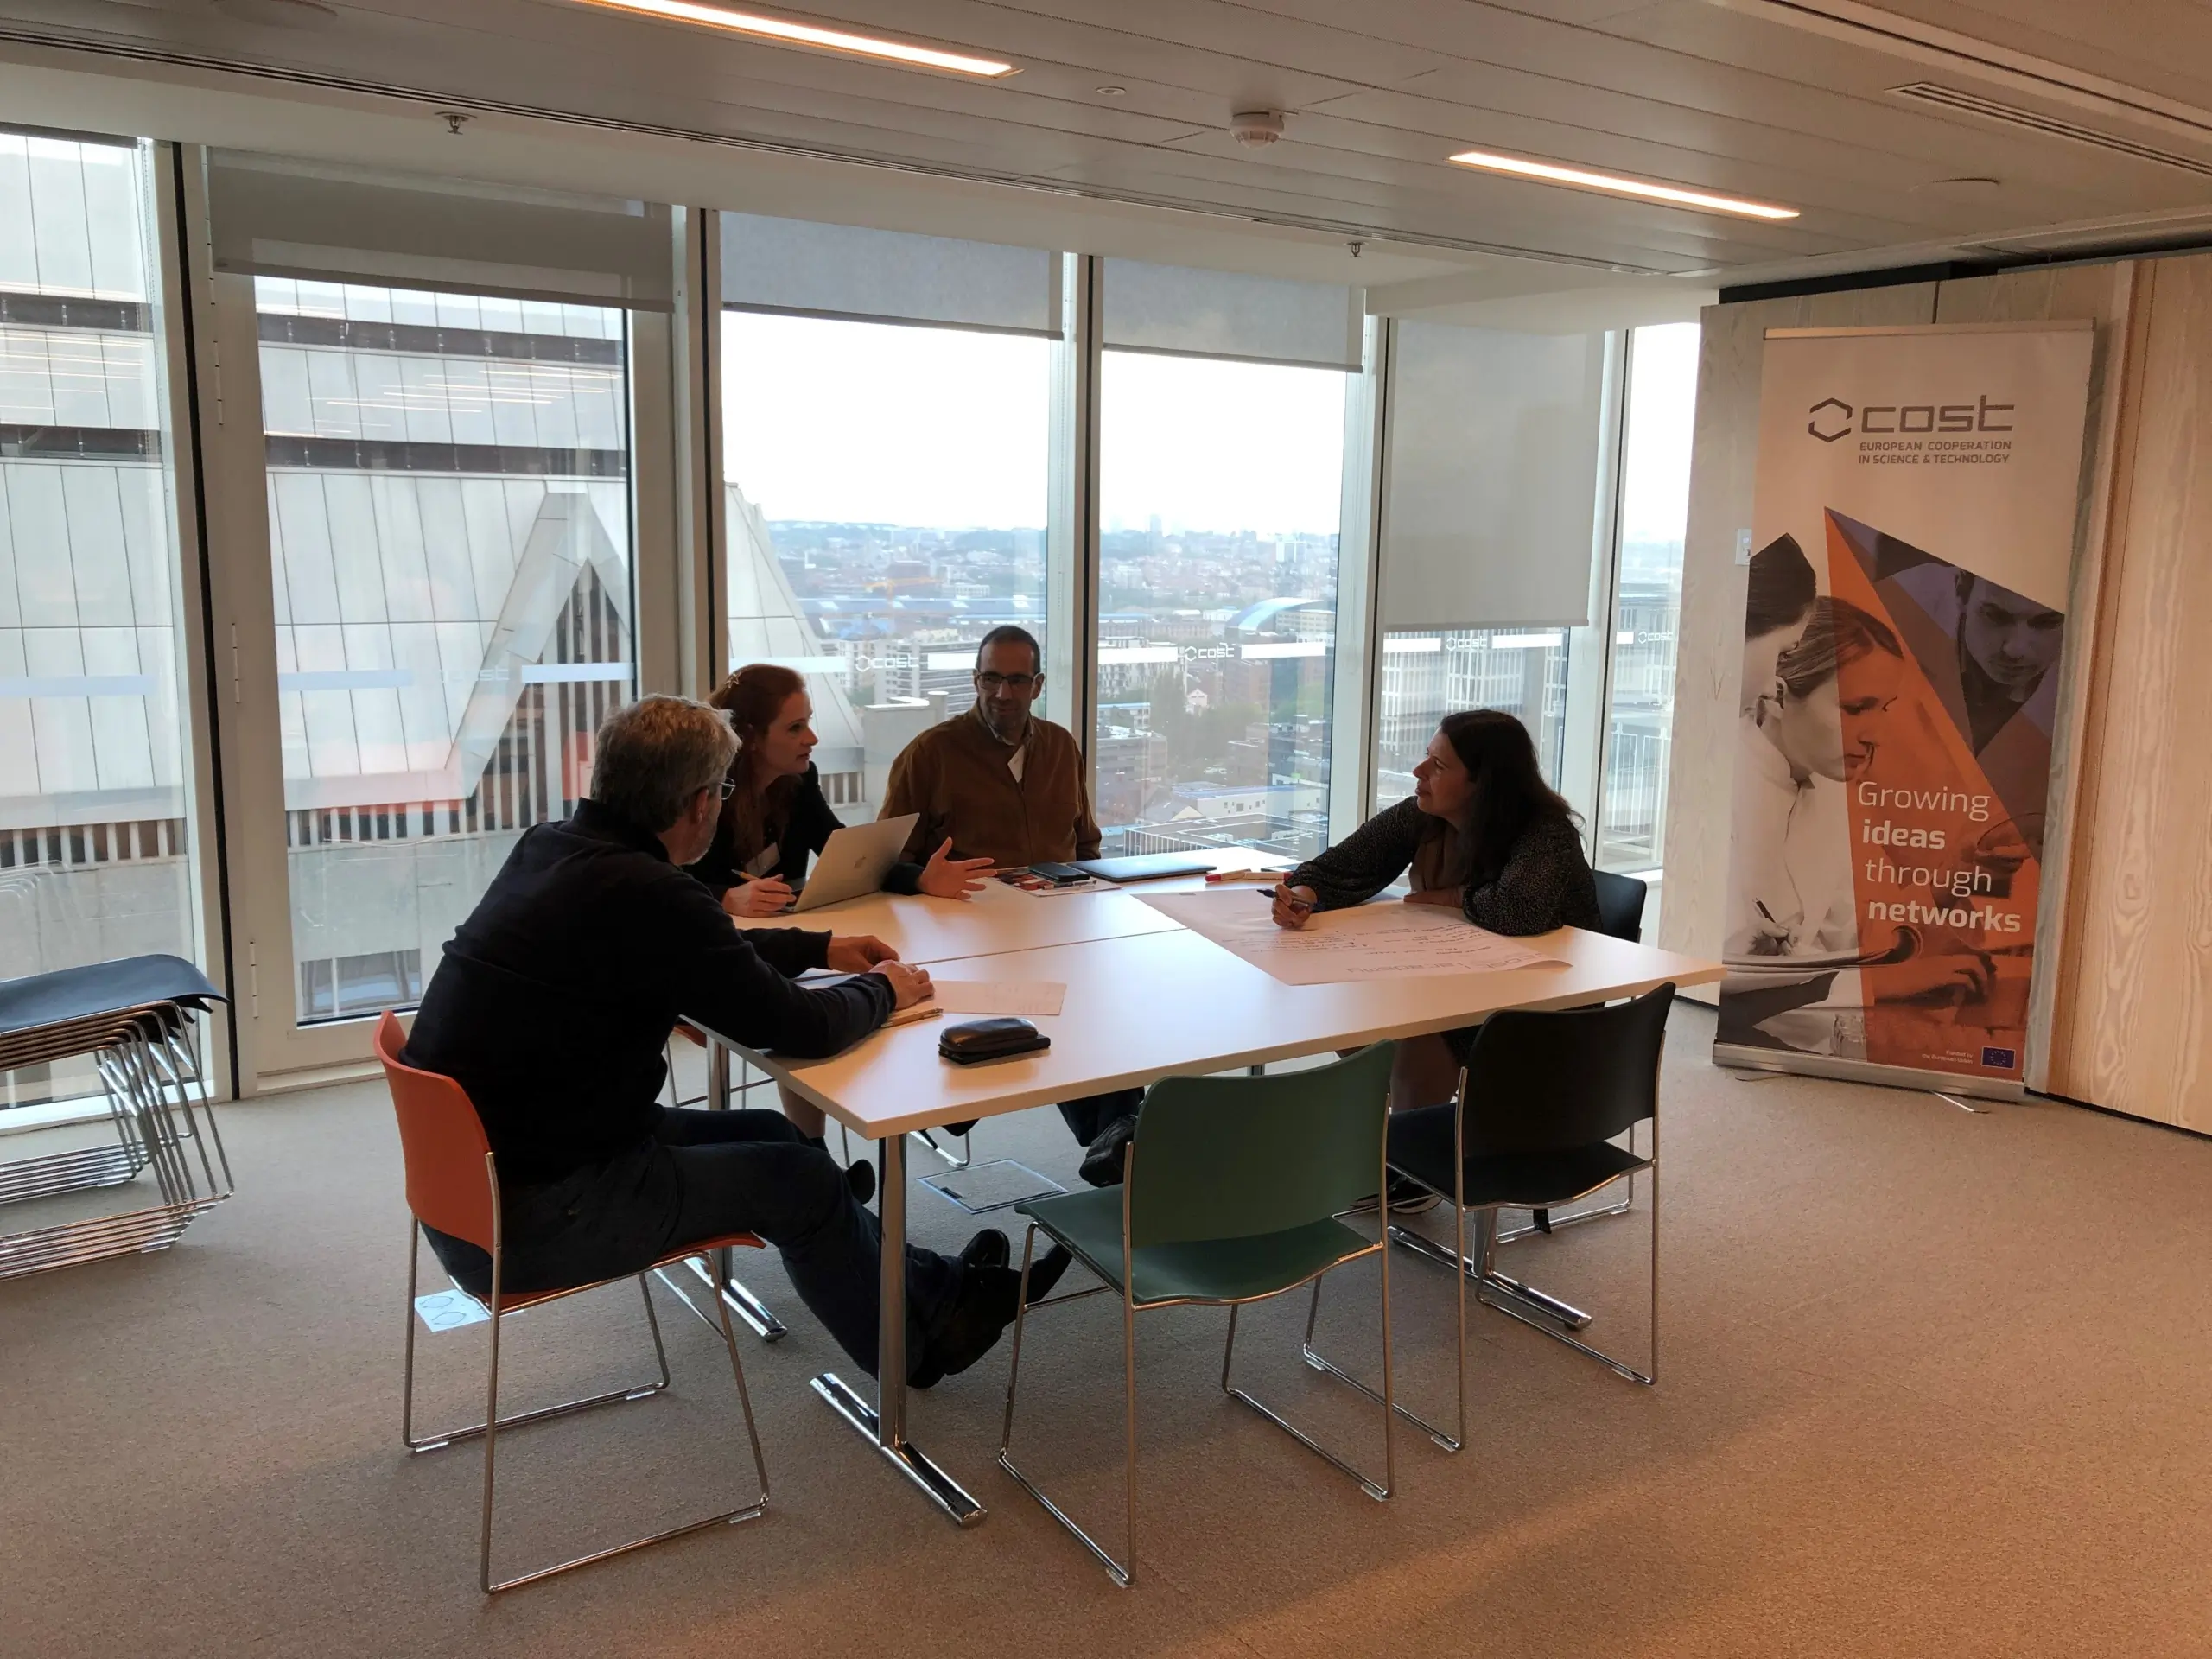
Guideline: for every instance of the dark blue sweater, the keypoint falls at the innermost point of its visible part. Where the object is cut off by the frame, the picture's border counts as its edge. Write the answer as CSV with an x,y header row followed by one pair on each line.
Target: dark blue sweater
x,y
555,996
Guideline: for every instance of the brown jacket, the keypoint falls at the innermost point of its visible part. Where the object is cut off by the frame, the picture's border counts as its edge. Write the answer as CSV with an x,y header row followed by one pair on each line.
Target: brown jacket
x,y
955,775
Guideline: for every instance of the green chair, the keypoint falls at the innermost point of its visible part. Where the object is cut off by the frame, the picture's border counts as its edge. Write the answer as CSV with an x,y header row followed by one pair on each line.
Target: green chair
x,y
1230,1193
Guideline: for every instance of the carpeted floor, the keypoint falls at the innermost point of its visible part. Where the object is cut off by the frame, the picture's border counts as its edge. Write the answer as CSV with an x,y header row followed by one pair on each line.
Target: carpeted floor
x,y
1930,1382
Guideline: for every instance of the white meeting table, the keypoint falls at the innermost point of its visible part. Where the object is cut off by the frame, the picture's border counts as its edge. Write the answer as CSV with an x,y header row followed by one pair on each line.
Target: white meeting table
x,y
1146,999
1002,918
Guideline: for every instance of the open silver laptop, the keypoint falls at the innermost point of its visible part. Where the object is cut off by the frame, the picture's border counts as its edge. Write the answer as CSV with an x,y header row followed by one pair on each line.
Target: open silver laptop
x,y
855,861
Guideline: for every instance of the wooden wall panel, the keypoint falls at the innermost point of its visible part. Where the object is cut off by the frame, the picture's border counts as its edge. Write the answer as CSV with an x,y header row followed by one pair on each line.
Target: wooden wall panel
x,y
1709,652
2133,1009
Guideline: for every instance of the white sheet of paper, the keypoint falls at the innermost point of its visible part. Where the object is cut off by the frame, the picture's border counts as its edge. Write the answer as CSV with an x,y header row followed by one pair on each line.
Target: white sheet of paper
x,y
448,1310
998,996
1387,939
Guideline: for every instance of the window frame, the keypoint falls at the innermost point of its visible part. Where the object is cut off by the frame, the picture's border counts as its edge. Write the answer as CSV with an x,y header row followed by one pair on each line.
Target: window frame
x,y
217,463
274,1050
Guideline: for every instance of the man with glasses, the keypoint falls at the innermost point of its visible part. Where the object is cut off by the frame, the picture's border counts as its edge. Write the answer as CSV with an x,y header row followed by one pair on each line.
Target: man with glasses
x,y
1007,786
1003,783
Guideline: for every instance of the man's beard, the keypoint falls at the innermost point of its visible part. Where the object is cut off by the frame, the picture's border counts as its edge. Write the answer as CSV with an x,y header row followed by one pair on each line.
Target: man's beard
x,y
1006,727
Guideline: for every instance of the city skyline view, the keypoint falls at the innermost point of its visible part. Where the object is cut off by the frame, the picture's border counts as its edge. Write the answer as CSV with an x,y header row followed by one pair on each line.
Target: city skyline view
x,y
1220,488
937,397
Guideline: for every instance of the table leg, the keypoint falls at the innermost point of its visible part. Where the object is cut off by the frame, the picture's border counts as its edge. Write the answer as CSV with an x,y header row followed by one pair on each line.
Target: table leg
x,y
884,1423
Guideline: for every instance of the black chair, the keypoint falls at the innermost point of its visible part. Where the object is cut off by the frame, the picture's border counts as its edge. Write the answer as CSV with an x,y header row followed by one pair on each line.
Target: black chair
x,y
1620,904
1541,1100
1620,914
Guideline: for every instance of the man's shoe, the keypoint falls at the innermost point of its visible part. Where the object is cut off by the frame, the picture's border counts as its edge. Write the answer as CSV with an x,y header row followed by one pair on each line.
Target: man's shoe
x,y
1045,1272
988,1248
988,1301
1102,1159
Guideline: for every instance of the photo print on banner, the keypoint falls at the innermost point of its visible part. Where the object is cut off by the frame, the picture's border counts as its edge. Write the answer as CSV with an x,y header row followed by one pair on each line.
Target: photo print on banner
x,y
1898,692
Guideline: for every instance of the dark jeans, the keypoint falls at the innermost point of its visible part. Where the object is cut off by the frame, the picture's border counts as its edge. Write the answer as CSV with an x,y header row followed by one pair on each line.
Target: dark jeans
x,y
1087,1118
703,1174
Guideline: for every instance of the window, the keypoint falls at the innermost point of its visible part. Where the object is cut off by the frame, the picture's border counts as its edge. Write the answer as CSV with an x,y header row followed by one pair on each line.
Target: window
x,y
352,985
1220,484
450,546
1427,674
96,854
888,494
1655,502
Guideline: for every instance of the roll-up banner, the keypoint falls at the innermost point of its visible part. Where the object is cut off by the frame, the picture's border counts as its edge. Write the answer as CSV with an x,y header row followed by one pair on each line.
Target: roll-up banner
x,y
1912,535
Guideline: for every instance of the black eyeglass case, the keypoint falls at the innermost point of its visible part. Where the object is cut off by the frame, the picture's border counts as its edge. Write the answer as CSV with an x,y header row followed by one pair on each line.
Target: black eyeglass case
x,y
977,1041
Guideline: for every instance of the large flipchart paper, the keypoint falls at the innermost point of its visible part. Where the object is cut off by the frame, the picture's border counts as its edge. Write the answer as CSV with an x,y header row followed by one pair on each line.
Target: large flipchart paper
x,y
1389,939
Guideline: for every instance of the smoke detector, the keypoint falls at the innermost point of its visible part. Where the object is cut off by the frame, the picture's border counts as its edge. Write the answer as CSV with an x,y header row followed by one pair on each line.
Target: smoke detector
x,y
1255,129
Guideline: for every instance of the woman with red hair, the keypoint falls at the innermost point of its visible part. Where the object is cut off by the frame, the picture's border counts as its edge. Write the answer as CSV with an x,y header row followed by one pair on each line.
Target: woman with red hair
x,y
775,818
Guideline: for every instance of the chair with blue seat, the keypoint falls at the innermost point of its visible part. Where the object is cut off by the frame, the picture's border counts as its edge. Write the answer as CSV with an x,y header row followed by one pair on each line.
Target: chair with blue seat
x,y
1231,1192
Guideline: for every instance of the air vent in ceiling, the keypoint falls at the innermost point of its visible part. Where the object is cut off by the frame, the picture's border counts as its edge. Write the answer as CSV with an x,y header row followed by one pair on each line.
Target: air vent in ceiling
x,y
1950,98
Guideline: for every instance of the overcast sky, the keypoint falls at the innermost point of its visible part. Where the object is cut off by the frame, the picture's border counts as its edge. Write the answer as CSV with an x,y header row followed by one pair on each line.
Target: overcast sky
x,y
864,423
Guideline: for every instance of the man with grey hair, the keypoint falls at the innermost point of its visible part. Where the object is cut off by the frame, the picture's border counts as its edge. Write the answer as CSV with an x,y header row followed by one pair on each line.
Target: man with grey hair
x,y
552,1006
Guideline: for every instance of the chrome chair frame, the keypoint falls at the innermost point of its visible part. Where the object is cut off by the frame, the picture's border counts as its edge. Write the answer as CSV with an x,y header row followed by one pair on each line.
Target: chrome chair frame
x,y
1123,1573
147,1060
493,1423
927,1139
1496,1290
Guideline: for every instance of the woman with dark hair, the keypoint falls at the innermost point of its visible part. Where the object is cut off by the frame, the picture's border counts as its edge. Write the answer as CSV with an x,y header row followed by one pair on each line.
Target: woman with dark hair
x,y
776,818
1483,835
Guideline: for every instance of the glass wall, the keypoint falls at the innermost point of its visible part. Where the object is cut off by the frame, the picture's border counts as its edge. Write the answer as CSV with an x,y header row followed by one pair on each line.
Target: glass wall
x,y
1655,502
1427,674
887,499
449,528
1220,484
448,482
95,849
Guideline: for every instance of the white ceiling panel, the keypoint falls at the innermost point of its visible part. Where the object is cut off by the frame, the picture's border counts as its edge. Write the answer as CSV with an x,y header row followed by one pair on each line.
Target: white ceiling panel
x,y
1376,98
2163,46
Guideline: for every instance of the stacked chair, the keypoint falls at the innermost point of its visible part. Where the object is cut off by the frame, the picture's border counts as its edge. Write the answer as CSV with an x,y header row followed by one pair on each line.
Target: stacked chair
x,y
134,1019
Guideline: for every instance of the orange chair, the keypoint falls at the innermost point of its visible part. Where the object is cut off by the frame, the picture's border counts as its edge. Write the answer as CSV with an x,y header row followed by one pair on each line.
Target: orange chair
x,y
453,1186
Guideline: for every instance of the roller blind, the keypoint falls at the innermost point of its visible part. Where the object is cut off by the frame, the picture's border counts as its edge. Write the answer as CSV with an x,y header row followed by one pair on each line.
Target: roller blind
x,y
277,218
1491,483
802,269
1185,312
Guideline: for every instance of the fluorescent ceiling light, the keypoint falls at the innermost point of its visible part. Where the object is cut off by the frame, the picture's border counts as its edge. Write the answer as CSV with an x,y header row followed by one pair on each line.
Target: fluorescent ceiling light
x,y
790,32
1553,173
